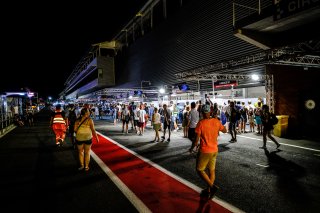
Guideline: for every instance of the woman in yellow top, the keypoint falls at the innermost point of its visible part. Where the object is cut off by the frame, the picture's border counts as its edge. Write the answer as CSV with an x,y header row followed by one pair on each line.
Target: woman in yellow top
x,y
84,129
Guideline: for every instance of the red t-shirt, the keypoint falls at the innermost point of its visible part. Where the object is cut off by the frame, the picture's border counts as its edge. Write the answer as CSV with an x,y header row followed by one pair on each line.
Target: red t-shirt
x,y
208,130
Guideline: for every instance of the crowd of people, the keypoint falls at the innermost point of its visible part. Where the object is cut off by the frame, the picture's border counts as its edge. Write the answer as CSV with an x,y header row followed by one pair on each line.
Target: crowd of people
x,y
238,117
201,123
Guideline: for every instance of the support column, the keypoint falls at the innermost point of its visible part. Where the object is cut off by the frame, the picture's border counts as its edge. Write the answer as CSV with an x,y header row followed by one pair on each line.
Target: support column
x,y
269,85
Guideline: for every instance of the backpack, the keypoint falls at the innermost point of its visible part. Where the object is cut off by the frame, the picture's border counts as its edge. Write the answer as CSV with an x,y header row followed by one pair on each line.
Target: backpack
x,y
274,119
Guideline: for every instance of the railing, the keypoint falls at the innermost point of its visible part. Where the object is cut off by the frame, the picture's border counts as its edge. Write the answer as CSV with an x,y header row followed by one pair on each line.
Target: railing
x,y
246,10
6,121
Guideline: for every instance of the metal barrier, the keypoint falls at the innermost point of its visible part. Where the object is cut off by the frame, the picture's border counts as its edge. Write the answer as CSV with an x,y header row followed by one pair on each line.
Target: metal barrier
x,y
6,122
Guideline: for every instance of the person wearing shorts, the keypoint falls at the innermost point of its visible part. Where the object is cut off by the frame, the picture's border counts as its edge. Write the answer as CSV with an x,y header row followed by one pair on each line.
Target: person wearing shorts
x,y
125,117
156,124
207,131
166,122
85,131
142,119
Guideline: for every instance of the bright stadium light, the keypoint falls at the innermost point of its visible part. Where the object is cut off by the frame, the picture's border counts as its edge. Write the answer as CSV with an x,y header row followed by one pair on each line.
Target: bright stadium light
x,y
255,77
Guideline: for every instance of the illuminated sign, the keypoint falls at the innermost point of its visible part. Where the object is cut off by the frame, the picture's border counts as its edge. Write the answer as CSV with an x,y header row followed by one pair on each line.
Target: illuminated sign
x,y
285,8
30,94
226,83
183,87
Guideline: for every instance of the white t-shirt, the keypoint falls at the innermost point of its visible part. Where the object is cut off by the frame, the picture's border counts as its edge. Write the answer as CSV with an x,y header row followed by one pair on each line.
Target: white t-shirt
x,y
194,118
142,114
136,112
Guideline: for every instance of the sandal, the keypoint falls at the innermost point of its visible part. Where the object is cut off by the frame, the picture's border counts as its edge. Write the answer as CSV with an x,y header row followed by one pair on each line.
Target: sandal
x,y
213,191
86,169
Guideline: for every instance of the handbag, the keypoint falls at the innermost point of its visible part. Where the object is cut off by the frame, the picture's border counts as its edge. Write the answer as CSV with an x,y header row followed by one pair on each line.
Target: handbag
x,y
75,132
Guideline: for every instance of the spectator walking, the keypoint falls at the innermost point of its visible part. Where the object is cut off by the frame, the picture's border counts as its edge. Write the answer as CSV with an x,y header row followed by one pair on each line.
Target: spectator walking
x,y
166,122
185,121
232,115
250,113
257,116
160,111
193,120
142,119
136,118
207,131
84,128
72,117
125,117
174,117
268,119
151,111
243,118
156,123
114,115
131,120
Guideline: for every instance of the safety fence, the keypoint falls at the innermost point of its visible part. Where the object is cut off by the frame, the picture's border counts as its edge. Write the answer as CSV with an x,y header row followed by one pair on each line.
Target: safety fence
x,y
6,122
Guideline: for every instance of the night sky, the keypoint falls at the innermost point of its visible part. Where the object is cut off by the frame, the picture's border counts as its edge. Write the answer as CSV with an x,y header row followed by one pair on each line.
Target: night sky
x,y
42,42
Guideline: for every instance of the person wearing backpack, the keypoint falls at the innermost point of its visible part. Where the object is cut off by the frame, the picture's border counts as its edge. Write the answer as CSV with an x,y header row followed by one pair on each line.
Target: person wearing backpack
x,y
268,119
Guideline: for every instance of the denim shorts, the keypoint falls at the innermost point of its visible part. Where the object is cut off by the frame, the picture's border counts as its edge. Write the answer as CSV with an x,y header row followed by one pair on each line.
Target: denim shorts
x,y
88,142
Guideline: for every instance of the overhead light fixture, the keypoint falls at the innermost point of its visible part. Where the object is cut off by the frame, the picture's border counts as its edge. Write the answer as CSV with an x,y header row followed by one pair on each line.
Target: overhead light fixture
x,y
255,77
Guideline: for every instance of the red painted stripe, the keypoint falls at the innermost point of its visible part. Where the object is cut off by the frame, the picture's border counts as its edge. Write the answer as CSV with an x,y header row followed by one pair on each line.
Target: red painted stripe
x,y
157,190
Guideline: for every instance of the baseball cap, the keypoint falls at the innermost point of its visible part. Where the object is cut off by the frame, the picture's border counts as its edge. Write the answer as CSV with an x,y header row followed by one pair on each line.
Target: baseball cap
x,y
206,108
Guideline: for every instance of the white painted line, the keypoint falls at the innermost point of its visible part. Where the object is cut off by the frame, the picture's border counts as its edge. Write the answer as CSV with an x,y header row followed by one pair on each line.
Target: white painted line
x,y
249,137
262,165
136,202
285,144
191,185
8,129
227,205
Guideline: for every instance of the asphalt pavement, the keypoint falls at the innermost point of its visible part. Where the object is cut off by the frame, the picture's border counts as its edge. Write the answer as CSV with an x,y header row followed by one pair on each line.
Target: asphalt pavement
x,y
37,176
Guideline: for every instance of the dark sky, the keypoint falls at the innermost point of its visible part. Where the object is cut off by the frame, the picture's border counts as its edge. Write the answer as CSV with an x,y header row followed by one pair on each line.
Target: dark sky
x,y
42,42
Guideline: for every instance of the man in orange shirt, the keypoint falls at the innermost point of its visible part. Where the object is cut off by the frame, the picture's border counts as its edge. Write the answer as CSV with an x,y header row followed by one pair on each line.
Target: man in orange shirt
x,y
207,132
